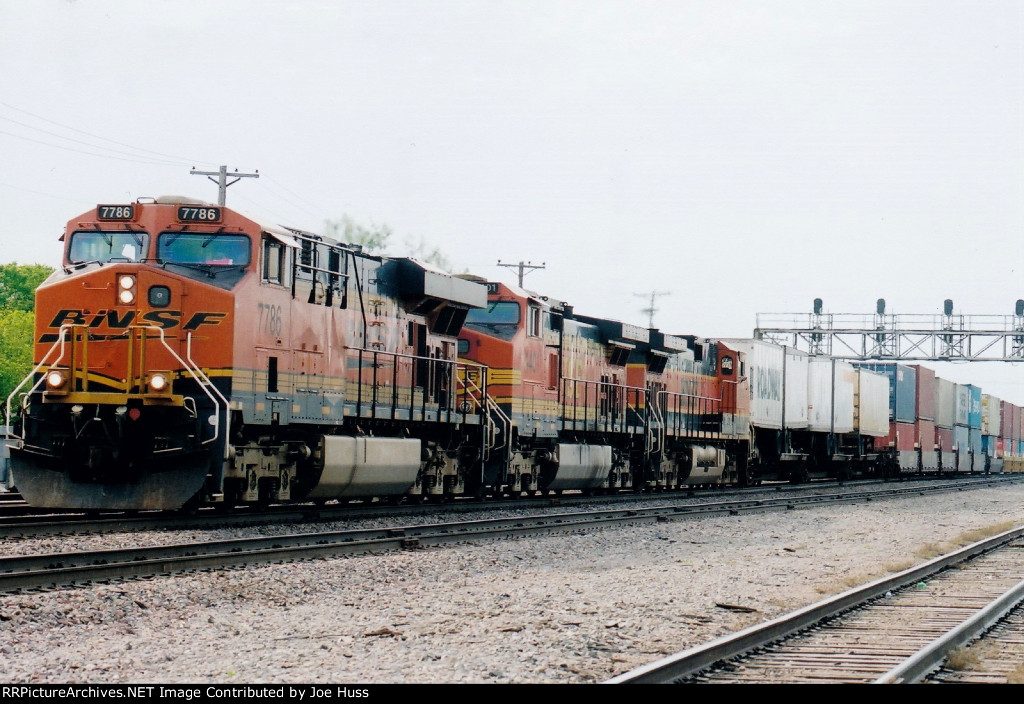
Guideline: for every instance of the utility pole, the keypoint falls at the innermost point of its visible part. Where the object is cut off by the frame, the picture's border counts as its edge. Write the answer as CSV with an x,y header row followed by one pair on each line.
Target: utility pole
x,y
222,180
650,309
522,267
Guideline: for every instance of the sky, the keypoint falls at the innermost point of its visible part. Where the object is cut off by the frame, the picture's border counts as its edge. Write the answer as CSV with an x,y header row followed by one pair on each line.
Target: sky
x,y
742,158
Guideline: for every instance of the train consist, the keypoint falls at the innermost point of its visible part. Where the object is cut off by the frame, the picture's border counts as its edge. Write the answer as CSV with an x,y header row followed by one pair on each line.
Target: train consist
x,y
186,354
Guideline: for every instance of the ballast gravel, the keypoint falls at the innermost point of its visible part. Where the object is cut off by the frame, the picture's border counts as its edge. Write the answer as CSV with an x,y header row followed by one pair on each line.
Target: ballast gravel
x,y
546,609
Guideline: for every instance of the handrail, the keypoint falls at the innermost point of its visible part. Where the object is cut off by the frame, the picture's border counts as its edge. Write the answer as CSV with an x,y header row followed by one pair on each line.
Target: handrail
x,y
59,343
450,367
197,374
609,418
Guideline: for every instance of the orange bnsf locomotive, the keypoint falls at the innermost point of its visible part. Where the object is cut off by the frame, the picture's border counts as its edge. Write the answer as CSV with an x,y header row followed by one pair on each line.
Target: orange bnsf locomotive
x,y
188,354
589,403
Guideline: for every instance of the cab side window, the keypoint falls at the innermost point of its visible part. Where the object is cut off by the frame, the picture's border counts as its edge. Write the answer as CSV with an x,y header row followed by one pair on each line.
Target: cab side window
x,y
533,322
273,262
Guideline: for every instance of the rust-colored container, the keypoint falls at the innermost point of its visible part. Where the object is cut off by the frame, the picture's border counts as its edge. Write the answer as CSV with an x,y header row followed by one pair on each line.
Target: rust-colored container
x,y
924,394
901,436
944,439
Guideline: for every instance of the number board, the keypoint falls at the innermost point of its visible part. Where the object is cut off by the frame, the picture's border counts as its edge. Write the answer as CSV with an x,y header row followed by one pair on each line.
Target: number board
x,y
115,212
192,213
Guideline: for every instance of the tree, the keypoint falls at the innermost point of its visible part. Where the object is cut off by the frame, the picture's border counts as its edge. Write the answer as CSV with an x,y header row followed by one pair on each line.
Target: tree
x,y
18,283
16,329
376,238
373,239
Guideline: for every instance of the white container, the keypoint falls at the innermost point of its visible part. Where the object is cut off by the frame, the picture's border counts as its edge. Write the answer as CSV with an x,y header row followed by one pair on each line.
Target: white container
x,y
764,370
830,390
945,403
963,404
796,388
871,403
989,415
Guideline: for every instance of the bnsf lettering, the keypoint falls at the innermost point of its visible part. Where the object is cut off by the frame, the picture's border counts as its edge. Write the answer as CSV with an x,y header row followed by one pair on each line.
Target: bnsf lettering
x,y
112,320
65,317
204,319
165,319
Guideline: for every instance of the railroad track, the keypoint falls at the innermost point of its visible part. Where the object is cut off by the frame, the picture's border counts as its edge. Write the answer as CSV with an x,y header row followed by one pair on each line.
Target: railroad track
x,y
57,569
897,629
22,522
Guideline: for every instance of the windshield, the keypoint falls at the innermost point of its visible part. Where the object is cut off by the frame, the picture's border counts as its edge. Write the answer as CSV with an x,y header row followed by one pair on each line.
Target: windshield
x,y
499,319
496,313
107,246
198,248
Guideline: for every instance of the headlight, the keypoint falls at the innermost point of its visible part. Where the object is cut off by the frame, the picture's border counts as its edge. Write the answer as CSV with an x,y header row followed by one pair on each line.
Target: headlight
x,y
158,382
126,289
55,379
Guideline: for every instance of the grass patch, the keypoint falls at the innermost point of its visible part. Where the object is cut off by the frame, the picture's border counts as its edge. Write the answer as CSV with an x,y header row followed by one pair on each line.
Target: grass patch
x,y
933,550
963,659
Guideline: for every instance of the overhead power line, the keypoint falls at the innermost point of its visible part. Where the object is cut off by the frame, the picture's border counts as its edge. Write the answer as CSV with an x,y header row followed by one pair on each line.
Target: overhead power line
x,y
222,180
524,269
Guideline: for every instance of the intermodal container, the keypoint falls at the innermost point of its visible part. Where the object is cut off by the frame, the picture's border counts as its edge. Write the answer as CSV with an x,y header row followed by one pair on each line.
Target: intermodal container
x,y
945,403
990,415
963,405
764,369
901,436
924,437
944,439
830,388
902,389
961,438
974,406
924,392
871,403
989,445
975,440
796,388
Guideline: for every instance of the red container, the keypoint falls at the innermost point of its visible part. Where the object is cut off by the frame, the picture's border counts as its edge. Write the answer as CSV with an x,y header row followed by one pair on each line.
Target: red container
x,y
1015,419
924,434
925,393
901,436
944,439
1000,447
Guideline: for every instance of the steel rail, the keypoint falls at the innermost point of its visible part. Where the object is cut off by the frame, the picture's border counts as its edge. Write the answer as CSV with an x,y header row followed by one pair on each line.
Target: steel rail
x,y
694,660
73,523
933,656
31,571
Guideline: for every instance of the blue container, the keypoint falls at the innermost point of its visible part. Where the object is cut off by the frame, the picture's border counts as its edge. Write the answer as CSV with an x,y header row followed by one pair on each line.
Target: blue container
x,y
902,390
988,445
974,409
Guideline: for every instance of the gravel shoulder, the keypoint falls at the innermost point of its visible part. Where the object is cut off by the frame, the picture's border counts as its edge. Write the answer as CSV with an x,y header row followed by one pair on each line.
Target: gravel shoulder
x,y
553,609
